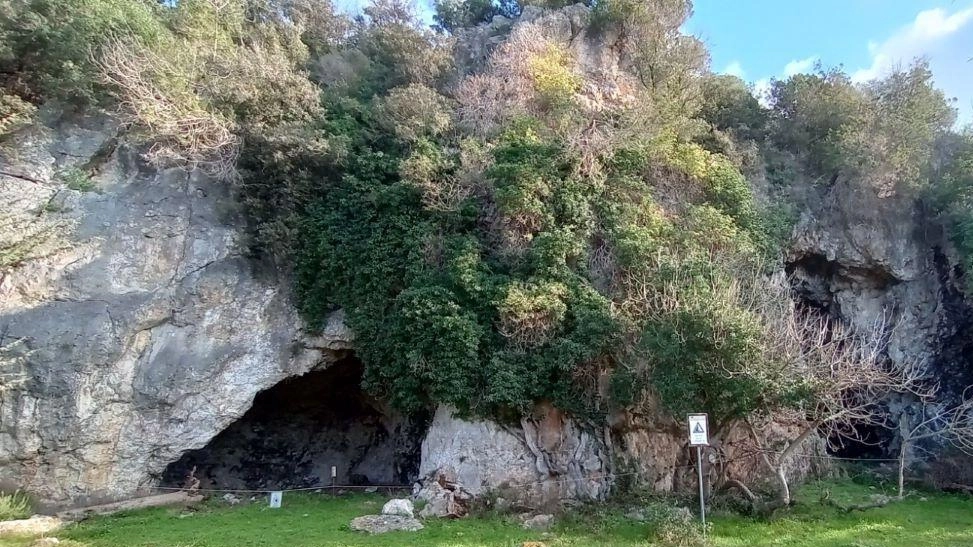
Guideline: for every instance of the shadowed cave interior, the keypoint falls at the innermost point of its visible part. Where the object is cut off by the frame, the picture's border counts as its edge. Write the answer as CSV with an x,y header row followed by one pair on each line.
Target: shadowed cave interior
x,y
297,430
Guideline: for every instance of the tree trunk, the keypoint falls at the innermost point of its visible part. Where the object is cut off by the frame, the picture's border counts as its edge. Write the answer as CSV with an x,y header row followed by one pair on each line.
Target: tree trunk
x,y
784,494
903,450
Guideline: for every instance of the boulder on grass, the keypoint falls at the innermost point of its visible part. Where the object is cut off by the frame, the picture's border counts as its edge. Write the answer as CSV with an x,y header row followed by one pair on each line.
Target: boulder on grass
x,y
443,498
380,524
34,526
400,507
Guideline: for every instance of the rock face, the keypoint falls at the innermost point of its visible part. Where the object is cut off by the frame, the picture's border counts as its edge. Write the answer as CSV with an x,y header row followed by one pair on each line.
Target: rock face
x,y
543,460
548,459
868,257
131,327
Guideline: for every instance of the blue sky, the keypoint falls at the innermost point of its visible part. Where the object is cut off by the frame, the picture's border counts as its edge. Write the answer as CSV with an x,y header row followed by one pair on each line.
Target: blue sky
x,y
763,39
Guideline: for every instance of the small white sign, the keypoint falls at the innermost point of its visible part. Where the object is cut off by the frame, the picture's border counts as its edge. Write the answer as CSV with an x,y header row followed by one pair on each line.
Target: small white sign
x,y
275,498
698,430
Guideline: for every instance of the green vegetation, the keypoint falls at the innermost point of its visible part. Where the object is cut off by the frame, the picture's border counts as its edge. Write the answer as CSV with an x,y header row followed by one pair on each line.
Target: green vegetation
x,y
521,231
14,506
77,179
48,47
951,196
928,519
495,239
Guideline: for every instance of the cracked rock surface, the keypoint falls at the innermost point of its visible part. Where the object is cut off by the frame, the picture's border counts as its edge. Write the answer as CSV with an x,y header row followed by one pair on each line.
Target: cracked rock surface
x,y
132,328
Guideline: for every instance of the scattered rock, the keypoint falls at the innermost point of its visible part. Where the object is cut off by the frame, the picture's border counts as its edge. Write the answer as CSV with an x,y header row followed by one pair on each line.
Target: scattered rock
x,y
160,500
380,524
400,507
539,522
231,499
45,542
371,490
443,498
34,526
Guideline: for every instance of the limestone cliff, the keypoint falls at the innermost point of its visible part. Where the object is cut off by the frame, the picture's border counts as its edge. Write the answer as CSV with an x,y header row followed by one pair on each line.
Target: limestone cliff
x,y
866,257
135,336
134,329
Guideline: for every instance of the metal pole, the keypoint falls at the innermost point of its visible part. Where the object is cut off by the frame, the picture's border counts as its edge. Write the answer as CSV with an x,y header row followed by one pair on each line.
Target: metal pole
x,y
702,500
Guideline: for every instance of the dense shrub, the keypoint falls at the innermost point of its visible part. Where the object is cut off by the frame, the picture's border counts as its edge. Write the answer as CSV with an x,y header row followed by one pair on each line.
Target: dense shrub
x,y
47,47
525,233
951,196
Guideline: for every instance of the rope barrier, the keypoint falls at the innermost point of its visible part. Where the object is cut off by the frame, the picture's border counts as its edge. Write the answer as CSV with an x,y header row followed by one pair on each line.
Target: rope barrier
x,y
565,479
302,489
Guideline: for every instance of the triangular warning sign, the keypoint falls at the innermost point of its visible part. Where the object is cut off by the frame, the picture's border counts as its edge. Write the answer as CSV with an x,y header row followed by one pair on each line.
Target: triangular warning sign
x,y
698,428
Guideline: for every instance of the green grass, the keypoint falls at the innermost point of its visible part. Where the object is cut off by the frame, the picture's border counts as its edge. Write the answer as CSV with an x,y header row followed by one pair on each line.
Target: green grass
x,y
307,520
14,506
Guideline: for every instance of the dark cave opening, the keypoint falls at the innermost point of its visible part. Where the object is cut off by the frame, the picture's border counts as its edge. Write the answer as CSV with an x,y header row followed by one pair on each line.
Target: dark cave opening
x,y
297,430
868,441
814,280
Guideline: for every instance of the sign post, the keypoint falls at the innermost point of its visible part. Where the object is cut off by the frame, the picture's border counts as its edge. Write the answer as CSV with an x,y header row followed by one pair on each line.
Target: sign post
x,y
699,437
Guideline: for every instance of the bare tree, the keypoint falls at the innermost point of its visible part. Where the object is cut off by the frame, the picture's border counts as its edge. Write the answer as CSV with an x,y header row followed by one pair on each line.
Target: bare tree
x,y
184,132
827,378
953,424
848,378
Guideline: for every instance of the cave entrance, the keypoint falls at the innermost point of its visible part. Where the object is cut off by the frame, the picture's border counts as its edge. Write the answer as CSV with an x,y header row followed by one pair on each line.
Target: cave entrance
x,y
297,430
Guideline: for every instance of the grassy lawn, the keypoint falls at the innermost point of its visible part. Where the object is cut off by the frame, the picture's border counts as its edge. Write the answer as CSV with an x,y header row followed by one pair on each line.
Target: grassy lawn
x,y
311,520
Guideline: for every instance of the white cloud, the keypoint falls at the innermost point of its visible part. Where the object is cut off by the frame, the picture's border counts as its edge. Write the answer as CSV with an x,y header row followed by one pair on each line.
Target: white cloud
x,y
923,36
799,66
945,39
735,69
761,91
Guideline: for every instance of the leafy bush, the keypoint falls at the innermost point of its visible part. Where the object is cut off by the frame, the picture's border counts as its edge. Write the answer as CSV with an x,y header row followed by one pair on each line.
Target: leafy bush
x,y
48,45
452,15
951,196
219,75
414,112
674,526
553,77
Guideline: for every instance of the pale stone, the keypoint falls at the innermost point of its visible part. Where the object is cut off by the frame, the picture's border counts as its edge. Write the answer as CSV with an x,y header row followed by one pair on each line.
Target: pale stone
x,y
400,507
543,460
380,524
136,348
34,526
